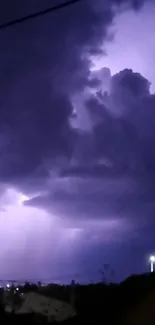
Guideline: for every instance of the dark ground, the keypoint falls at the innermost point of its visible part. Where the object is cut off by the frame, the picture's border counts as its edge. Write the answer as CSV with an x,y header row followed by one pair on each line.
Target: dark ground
x,y
99,303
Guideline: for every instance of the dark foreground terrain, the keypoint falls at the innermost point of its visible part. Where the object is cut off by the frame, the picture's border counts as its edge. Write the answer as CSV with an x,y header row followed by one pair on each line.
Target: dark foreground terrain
x,y
130,303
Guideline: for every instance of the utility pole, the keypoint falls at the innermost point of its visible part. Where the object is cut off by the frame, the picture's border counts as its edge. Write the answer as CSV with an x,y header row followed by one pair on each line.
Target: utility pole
x,y
72,294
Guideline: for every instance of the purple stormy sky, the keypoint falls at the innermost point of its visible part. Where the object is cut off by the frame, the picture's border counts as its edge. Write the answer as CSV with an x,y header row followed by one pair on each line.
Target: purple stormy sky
x,y
77,165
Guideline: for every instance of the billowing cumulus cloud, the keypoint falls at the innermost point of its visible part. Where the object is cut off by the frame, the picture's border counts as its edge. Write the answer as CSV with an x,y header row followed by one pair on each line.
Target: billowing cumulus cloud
x,y
46,63
69,150
127,87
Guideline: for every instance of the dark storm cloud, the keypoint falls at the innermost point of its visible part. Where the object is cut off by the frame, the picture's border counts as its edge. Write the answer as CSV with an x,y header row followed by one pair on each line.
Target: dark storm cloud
x,y
144,122
42,61
78,199
122,135
79,175
114,138
119,180
133,82
127,87
88,192
30,135
125,136
132,91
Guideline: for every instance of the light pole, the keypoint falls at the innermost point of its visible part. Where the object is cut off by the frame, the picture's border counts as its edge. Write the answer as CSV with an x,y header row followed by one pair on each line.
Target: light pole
x,y
152,260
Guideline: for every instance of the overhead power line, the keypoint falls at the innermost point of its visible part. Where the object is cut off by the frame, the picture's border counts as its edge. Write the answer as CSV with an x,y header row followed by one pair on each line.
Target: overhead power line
x,y
39,13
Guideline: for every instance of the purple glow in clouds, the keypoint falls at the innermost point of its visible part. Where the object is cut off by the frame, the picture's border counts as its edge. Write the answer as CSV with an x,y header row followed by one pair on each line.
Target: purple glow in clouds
x,y
77,154
30,235
132,48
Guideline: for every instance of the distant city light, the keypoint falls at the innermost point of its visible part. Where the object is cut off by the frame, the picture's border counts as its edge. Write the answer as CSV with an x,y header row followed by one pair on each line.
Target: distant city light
x,y
152,260
17,289
8,285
